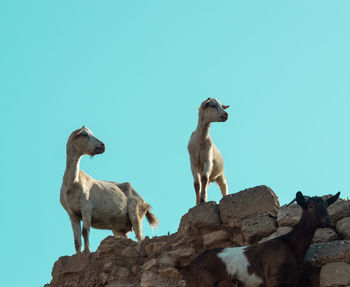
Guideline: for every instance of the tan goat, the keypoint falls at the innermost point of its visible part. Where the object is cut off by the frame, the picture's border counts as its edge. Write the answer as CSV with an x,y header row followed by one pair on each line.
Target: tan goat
x,y
207,164
99,204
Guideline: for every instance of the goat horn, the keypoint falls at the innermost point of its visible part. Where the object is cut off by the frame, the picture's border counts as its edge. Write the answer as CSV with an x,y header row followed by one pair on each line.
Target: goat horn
x,y
294,200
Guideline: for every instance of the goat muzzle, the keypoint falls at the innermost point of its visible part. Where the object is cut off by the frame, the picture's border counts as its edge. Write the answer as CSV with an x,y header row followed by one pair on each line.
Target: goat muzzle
x,y
99,149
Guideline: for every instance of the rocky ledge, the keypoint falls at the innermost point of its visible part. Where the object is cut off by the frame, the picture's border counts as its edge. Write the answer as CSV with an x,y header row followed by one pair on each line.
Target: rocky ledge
x,y
246,217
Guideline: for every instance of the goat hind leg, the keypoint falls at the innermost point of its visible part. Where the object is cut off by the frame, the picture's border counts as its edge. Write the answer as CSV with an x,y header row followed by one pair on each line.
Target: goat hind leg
x,y
221,181
197,190
134,216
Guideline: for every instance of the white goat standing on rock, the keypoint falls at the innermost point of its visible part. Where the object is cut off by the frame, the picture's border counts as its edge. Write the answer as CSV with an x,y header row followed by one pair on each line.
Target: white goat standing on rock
x,y
207,164
99,204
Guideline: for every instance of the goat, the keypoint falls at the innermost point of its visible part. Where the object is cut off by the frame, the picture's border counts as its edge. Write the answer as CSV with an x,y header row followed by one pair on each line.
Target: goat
x,y
99,204
207,164
273,263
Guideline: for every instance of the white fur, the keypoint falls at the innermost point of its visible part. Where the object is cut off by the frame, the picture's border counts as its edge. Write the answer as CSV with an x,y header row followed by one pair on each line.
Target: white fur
x,y
237,266
99,204
207,164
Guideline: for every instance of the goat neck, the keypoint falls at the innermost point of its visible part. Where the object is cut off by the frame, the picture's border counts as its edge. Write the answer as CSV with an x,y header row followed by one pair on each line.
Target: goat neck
x,y
72,167
300,238
202,130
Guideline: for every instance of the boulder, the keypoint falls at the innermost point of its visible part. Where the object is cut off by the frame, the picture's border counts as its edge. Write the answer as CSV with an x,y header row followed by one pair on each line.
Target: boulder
x,y
320,254
149,264
154,248
151,279
339,209
71,264
343,227
248,203
324,235
335,274
200,219
280,231
117,245
256,227
289,215
213,239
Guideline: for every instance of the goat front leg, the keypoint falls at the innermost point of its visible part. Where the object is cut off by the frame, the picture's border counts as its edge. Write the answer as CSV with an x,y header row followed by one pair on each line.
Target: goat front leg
x,y
86,214
75,222
208,165
221,181
196,183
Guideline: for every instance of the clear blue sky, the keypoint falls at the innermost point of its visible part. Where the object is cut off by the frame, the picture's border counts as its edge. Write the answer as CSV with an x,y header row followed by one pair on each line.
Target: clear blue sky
x,y
135,72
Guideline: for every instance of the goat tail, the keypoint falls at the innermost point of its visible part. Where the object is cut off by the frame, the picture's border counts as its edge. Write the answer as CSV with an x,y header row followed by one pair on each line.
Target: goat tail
x,y
151,218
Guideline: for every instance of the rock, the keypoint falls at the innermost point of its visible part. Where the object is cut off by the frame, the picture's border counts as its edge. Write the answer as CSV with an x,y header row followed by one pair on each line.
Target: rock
x,y
113,245
320,254
103,277
335,274
107,267
151,279
182,253
135,269
248,203
246,217
289,215
170,273
280,231
155,248
149,264
202,218
123,272
324,235
256,227
71,264
214,238
116,283
343,227
339,209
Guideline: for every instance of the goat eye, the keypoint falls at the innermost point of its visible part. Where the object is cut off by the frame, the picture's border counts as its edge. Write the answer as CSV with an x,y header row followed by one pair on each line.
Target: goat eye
x,y
311,206
84,135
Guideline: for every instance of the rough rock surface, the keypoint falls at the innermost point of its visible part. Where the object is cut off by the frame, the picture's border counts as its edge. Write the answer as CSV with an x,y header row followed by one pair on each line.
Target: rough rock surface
x,y
247,203
339,209
335,274
343,227
280,231
240,219
325,235
288,215
320,254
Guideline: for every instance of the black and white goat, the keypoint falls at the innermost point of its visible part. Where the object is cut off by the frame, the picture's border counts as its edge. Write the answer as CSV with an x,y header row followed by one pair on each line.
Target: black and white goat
x,y
277,262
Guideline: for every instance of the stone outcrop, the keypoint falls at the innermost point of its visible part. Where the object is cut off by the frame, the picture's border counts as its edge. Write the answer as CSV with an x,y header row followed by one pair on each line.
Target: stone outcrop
x,y
247,217
335,274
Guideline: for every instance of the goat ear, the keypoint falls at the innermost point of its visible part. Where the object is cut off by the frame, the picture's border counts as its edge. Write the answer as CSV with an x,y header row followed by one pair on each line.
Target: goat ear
x,y
207,101
225,107
300,199
332,199
79,131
